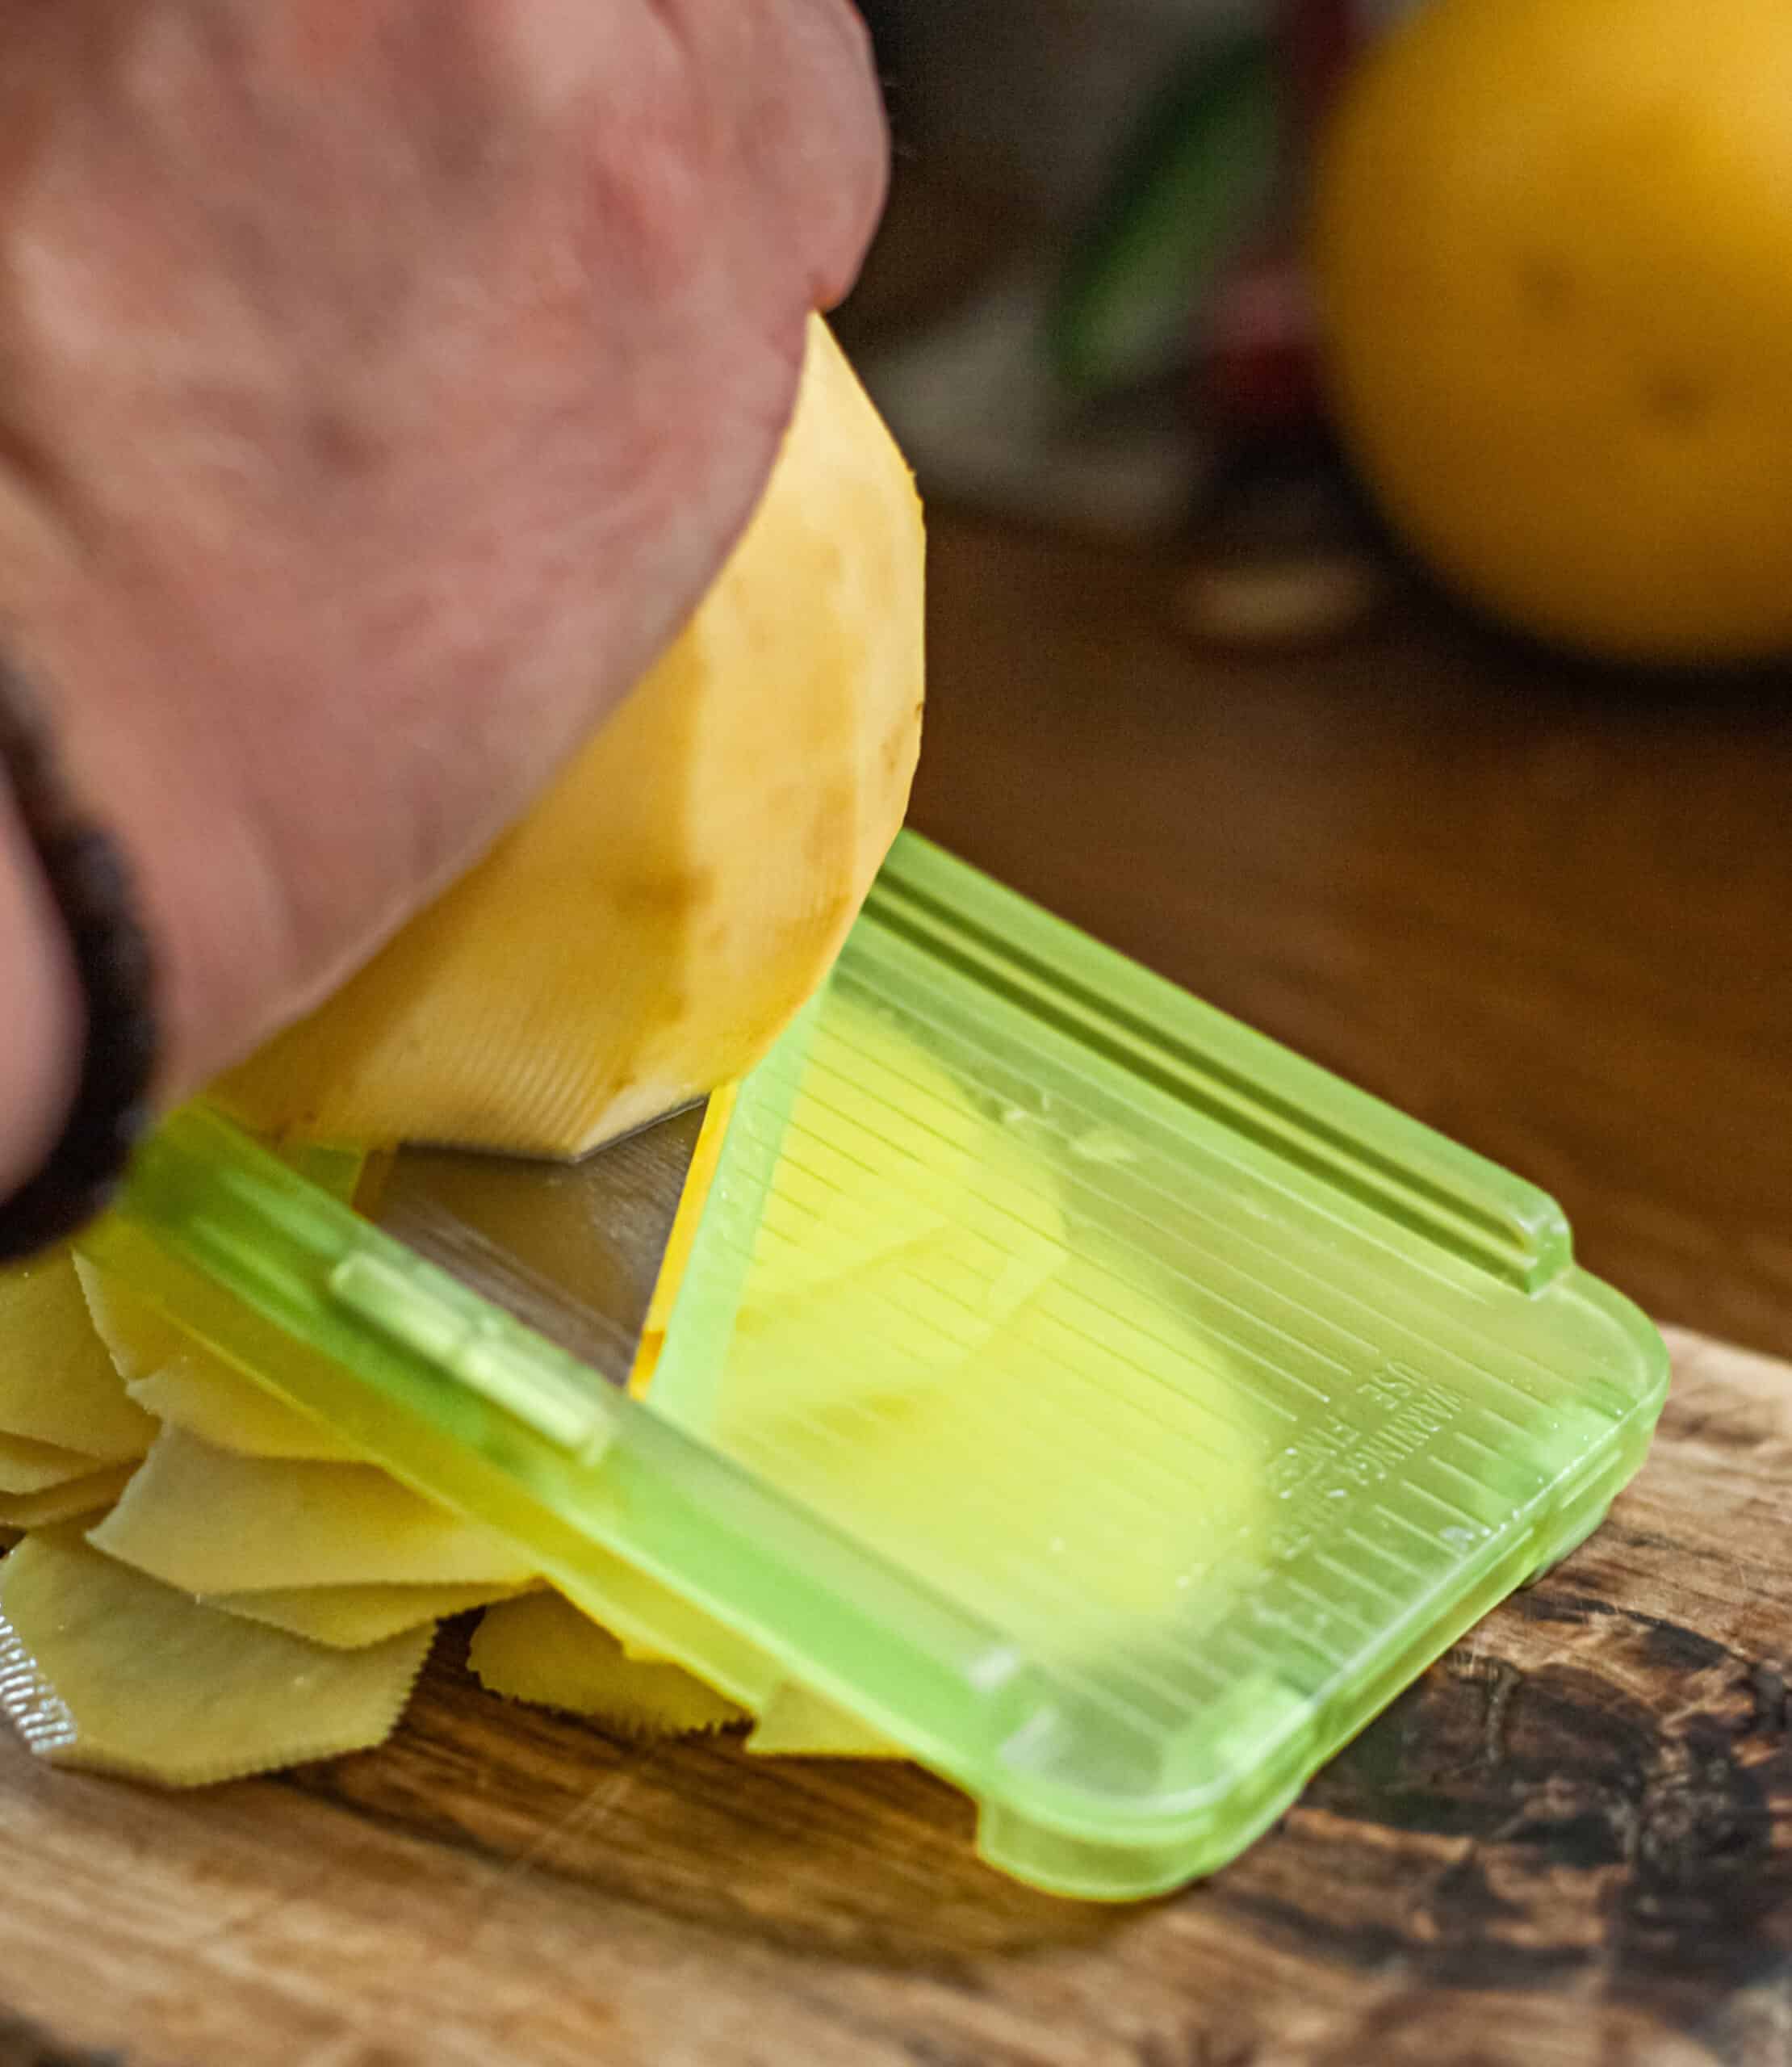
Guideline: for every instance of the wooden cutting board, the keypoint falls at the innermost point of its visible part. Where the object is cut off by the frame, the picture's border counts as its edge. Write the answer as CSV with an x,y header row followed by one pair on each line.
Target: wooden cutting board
x,y
1570,1843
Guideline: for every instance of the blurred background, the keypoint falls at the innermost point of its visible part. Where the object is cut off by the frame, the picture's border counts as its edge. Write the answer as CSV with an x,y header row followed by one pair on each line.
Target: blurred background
x,y
1385,632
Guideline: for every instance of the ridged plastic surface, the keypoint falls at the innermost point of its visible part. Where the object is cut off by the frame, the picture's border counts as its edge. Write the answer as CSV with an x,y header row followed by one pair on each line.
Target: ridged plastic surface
x,y
1073,1387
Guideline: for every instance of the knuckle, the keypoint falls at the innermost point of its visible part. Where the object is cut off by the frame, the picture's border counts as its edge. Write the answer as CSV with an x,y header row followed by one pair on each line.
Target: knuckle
x,y
816,119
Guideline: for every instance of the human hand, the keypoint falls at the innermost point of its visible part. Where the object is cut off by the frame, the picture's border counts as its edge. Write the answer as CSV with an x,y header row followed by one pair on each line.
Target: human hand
x,y
382,383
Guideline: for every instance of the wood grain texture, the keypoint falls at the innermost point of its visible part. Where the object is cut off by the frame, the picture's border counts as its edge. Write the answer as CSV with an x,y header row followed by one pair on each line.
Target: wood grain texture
x,y
1548,911
1567,1846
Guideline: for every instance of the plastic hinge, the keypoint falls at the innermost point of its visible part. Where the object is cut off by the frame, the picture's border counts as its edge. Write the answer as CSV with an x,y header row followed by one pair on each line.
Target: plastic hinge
x,y
524,1377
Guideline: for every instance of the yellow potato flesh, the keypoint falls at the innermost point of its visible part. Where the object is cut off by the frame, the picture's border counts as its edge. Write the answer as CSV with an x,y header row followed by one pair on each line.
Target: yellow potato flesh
x,y
1024,1487
661,915
28,1467
65,1502
210,1522
799,1725
136,1337
543,1650
704,1159
842,1235
104,1668
349,1617
57,1384
176,1381
197,1393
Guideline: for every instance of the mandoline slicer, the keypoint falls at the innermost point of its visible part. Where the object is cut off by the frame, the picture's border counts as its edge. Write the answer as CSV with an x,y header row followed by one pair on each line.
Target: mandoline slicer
x,y
1055,1381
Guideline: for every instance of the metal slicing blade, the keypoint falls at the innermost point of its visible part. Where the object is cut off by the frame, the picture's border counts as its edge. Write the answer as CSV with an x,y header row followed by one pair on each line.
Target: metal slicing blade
x,y
572,1250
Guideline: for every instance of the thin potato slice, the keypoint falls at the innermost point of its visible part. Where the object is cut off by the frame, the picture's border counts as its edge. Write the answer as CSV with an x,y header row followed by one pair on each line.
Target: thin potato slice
x,y
69,1502
1015,1471
29,1467
799,1725
57,1384
350,1617
140,1338
540,1649
210,1522
916,1207
103,1668
201,1394
699,1179
136,1336
933,1316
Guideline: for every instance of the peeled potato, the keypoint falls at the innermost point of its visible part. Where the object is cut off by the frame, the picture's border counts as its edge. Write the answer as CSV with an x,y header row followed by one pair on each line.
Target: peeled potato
x,y
350,1617
104,1668
57,1384
211,1523
540,1649
651,927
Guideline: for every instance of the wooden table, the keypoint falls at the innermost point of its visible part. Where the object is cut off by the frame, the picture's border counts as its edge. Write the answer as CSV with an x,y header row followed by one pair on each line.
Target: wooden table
x,y
1548,915
1566,1847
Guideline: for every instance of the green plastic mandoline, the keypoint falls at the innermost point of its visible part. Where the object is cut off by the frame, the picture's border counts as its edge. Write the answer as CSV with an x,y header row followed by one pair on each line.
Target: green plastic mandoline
x,y
1067,1387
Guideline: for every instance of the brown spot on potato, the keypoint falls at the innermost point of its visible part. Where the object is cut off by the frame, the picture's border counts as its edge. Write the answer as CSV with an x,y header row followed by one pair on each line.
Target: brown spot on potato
x,y
1676,399
669,895
1546,288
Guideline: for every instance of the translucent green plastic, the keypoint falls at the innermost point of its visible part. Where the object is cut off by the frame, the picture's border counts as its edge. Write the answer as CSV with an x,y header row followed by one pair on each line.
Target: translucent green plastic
x,y
1067,1384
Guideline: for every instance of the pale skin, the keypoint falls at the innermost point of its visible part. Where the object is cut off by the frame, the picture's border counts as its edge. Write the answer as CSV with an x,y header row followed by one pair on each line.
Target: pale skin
x,y
382,383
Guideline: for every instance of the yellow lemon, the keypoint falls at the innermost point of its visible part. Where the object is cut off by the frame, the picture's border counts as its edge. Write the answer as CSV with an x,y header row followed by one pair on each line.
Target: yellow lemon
x,y
1554,256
